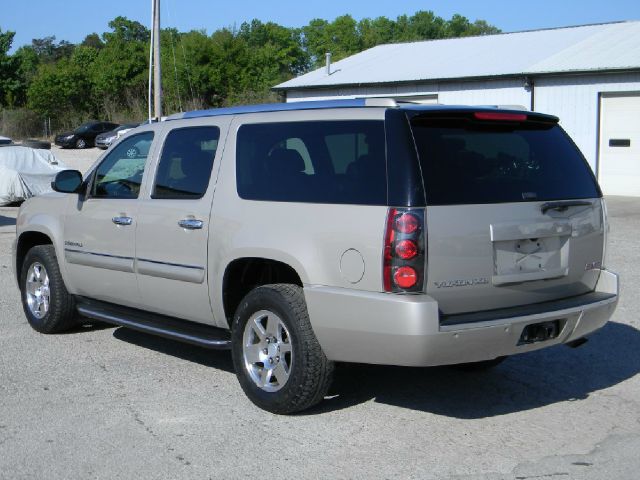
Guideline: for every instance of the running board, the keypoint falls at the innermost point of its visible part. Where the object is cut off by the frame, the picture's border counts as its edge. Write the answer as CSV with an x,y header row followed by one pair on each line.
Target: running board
x,y
155,324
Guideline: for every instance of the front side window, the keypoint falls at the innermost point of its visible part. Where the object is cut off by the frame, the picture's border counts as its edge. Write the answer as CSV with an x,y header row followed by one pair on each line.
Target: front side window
x,y
120,173
341,162
185,166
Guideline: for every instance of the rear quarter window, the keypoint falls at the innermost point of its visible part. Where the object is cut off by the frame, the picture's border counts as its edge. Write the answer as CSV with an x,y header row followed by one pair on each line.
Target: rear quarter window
x,y
340,162
468,162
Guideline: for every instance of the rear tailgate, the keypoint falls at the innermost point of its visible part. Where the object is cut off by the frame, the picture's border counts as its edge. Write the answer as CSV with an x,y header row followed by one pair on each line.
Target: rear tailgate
x,y
514,215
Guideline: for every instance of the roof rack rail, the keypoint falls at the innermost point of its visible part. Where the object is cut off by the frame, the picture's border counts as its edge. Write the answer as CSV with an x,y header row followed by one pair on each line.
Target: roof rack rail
x,y
291,106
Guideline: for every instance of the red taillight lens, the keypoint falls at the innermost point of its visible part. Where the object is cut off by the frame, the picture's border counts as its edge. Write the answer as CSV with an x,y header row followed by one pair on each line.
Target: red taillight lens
x,y
405,277
407,223
404,257
509,117
406,249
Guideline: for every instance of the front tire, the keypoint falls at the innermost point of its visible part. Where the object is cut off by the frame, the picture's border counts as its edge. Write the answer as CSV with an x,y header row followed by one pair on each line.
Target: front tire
x,y
46,302
277,358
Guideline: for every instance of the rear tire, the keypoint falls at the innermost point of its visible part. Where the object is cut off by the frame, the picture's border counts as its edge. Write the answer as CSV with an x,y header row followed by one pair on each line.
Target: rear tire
x,y
277,358
46,302
80,143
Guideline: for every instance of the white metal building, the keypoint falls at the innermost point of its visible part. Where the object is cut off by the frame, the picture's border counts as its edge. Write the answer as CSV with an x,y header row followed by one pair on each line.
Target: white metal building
x,y
588,75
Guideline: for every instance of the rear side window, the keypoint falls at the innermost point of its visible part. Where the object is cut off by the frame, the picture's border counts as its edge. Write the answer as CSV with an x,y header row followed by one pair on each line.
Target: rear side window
x,y
185,166
473,162
322,162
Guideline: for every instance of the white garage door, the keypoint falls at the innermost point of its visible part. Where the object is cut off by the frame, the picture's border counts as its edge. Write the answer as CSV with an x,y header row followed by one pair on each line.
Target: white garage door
x,y
619,159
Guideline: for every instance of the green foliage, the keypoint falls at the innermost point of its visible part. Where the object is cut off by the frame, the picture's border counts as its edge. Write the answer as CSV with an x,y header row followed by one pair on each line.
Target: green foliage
x,y
106,75
60,89
48,51
9,83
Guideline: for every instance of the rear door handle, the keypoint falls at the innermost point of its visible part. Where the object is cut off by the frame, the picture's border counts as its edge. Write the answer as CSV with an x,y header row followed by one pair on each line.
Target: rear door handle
x,y
122,220
191,224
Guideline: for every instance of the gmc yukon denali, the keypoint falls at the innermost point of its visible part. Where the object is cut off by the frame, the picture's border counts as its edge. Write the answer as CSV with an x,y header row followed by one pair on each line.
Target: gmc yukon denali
x,y
303,234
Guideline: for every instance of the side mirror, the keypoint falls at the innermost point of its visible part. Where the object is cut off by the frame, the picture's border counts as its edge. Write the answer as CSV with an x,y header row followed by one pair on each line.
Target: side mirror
x,y
67,181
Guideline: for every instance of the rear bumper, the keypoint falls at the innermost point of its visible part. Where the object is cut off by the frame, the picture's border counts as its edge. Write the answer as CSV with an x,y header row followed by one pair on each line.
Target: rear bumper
x,y
380,328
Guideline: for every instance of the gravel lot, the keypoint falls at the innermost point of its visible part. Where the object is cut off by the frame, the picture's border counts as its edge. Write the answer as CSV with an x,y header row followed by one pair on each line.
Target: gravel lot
x,y
77,159
111,403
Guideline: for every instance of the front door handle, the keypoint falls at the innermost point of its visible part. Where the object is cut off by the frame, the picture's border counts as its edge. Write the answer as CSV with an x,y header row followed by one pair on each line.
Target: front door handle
x,y
122,220
191,224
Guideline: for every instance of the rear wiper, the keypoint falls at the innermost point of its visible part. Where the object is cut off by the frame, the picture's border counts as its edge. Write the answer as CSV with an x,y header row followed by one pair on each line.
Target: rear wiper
x,y
564,205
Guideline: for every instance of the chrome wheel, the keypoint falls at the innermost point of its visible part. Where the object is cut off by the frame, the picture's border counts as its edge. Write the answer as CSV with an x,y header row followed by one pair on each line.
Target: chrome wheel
x,y
37,290
267,351
132,152
81,143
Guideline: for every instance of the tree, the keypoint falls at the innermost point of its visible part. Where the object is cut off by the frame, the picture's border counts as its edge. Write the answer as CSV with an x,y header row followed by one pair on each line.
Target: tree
x,y
376,32
93,40
49,51
9,80
59,90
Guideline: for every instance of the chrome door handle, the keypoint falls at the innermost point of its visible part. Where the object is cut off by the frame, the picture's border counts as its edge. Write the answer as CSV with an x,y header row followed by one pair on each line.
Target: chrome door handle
x,y
122,220
191,224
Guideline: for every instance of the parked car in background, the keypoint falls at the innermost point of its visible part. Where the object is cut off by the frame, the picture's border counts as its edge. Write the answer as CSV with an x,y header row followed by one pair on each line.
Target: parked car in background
x,y
104,140
26,172
5,140
84,136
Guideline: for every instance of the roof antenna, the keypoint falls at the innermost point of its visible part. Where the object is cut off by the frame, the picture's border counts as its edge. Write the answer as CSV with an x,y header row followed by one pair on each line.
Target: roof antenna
x,y
328,58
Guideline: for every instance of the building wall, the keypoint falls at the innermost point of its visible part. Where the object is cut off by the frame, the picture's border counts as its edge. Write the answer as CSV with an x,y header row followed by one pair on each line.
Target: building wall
x,y
491,92
572,98
575,100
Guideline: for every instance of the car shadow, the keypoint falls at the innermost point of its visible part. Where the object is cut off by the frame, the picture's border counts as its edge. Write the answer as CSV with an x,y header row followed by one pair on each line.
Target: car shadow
x,y
522,382
219,359
7,221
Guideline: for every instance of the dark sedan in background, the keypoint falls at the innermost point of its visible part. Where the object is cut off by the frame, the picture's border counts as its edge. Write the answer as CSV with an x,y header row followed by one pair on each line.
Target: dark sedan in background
x,y
84,136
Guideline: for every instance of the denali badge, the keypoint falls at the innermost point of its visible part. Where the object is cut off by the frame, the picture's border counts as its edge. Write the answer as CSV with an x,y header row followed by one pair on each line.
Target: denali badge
x,y
593,266
68,243
461,283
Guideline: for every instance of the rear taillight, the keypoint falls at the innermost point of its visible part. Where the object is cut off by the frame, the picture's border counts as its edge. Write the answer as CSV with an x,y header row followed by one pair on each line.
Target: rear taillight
x,y
404,264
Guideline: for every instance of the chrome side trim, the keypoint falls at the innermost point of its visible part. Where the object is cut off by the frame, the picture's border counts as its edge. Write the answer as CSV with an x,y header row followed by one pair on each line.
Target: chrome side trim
x,y
99,260
171,271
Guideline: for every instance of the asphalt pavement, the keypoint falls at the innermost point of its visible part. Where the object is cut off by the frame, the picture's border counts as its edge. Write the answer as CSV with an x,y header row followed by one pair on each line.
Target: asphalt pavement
x,y
109,403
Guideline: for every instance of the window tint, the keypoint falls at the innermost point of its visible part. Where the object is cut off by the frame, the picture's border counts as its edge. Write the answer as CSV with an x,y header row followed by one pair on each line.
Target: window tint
x,y
185,165
466,162
321,162
120,173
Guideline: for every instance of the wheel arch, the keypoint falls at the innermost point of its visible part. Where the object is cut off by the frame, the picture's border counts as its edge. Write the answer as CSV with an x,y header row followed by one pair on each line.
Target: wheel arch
x,y
242,275
25,242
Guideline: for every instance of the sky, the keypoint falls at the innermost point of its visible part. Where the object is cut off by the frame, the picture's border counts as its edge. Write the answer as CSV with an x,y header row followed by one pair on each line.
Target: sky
x,y
72,20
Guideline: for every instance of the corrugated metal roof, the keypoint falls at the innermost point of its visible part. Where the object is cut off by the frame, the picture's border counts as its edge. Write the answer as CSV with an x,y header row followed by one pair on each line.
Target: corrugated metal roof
x,y
611,46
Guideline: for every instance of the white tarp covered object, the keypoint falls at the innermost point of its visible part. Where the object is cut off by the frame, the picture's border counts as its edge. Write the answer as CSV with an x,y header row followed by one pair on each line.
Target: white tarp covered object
x,y
26,172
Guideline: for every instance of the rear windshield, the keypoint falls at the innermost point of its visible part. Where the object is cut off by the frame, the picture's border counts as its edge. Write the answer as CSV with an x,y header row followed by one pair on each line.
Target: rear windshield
x,y
472,162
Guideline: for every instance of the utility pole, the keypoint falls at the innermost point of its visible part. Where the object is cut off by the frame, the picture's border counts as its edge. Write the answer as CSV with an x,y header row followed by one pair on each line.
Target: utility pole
x,y
157,82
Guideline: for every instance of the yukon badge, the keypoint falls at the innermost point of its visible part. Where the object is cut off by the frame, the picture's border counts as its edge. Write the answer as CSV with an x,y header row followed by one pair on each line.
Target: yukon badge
x,y
462,283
